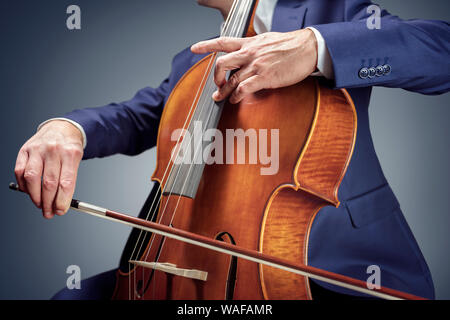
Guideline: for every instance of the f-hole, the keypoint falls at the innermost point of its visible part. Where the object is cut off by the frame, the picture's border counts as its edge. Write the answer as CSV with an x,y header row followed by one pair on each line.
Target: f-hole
x,y
231,280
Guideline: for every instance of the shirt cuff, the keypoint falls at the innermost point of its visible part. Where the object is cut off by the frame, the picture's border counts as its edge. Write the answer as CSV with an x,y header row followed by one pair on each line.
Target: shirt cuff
x,y
324,62
76,124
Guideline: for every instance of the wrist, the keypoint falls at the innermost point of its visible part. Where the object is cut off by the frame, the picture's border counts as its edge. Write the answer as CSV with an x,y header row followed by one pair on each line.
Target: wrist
x,y
67,128
313,46
307,42
68,122
324,64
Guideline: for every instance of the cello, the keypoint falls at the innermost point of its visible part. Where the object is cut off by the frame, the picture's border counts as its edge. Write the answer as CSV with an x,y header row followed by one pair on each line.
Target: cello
x,y
244,235
235,203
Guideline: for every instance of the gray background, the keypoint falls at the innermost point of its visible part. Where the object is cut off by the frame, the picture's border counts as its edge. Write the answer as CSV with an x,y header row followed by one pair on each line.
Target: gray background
x,y
47,70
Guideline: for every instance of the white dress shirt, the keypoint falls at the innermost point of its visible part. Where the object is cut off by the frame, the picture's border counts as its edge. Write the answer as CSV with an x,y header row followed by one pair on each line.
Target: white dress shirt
x,y
262,23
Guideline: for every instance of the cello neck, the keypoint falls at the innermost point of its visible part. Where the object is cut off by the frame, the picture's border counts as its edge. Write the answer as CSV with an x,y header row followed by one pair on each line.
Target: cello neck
x,y
184,177
240,18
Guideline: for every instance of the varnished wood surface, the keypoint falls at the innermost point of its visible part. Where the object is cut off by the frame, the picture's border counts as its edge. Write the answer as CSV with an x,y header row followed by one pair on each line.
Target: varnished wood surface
x,y
272,214
252,254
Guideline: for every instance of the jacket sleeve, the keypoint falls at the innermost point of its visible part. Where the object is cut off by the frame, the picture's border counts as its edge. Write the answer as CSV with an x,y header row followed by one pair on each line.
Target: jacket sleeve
x,y
410,54
129,127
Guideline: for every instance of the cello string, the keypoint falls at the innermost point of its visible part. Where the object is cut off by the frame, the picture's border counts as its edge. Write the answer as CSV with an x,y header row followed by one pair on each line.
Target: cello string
x,y
224,29
153,207
180,137
208,93
193,119
243,20
225,32
184,126
206,96
239,23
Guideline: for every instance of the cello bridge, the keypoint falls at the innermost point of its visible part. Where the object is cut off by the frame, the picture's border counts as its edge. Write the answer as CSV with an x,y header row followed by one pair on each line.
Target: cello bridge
x,y
170,268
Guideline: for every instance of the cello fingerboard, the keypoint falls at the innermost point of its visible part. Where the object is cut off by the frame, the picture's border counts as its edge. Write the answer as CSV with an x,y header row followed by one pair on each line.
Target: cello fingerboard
x,y
189,163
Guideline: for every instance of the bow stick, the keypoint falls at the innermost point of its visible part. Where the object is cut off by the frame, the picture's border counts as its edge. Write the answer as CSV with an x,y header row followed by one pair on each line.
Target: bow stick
x,y
234,250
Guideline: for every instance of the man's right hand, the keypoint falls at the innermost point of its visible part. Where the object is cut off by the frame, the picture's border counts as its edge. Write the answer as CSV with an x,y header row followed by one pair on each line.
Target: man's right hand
x,y
47,166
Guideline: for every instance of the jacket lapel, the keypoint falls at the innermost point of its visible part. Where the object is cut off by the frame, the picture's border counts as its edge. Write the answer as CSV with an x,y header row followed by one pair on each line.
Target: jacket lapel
x,y
289,15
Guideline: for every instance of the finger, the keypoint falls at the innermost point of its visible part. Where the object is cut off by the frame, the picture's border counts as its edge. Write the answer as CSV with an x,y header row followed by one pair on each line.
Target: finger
x,y
249,86
32,176
231,61
232,83
70,161
223,44
50,182
19,170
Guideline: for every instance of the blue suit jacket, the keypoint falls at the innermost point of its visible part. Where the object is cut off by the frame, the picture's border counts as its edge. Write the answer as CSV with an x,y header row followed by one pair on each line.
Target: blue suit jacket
x,y
369,227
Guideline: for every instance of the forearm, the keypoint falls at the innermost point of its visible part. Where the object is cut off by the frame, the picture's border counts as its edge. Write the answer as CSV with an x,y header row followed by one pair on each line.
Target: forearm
x,y
128,128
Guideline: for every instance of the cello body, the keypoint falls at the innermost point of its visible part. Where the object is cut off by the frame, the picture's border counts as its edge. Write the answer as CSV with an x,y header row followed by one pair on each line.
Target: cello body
x,y
235,203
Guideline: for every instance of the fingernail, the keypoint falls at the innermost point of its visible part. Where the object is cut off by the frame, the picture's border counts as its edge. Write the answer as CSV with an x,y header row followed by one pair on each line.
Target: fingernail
x,y
48,215
215,96
59,212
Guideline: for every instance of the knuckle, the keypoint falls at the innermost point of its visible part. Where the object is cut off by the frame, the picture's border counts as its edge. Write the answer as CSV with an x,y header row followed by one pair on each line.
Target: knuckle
x,y
221,42
24,149
243,88
18,171
49,183
234,80
78,153
251,51
66,184
72,151
258,65
31,175
31,147
238,91
245,52
220,62
52,147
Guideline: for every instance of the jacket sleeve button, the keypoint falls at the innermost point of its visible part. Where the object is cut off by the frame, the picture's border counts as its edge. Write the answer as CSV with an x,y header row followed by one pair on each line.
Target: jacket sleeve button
x,y
386,69
380,71
372,72
363,73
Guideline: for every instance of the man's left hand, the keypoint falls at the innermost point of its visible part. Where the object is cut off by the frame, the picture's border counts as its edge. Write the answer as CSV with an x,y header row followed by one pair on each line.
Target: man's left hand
x,y
266,61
